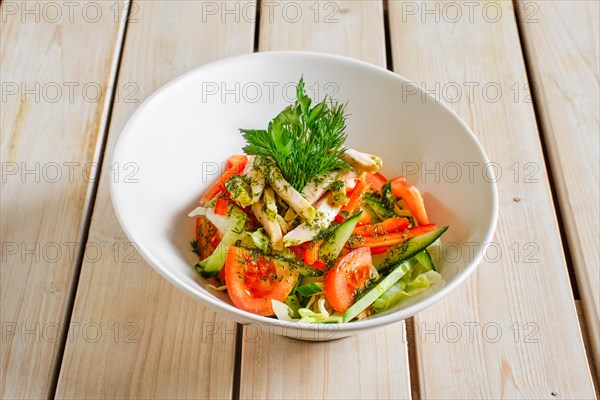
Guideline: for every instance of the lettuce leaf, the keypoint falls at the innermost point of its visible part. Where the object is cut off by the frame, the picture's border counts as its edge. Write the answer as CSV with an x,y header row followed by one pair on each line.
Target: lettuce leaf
x,y
260,239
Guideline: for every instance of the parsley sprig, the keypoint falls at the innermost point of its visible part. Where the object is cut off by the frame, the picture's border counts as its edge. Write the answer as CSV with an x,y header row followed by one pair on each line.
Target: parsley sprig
x,y
303,141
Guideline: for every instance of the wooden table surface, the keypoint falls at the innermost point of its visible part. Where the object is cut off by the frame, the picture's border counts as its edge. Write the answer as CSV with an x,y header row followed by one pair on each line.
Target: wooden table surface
x,y
84,316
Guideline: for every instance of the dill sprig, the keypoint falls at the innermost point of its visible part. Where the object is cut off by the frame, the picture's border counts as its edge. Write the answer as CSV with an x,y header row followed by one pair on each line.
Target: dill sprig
x,y
303,141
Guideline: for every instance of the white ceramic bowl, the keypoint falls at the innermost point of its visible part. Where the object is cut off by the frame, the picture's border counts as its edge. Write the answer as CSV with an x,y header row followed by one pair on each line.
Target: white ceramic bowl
x,y
181,136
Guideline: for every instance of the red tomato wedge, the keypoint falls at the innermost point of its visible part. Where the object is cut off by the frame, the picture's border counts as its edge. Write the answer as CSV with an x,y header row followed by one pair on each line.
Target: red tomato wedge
x,y
253,280
221,275
346,277
320,265
298,251
207,236
390,239
388,226
237,164
222,206
376,180
412,198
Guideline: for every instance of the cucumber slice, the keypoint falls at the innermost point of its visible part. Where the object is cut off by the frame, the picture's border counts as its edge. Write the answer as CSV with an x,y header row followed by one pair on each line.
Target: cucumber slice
x,y
424,258
310,289
293,303
406,250
379,209
333,245
373,294
212,264
296,266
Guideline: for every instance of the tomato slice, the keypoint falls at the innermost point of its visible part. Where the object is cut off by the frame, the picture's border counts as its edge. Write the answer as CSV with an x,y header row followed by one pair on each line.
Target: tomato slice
x,y
298,251
320,265
253,280
346,277
412,198
376,180
339,219
208,237
235,165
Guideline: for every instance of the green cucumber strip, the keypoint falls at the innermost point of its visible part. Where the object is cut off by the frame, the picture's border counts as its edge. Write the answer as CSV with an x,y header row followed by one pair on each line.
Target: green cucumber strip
x,y
333,245
365,301
406,250
404,213
379,209
293,303
424,258
212,264
310,289
299,267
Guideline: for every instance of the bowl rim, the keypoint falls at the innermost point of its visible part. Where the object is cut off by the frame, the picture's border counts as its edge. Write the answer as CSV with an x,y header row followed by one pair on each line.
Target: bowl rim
x,y
241,315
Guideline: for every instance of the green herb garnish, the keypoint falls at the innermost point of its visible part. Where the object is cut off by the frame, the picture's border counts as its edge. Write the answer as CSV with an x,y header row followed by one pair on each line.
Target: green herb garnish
x,y
194,246
387,198
303,141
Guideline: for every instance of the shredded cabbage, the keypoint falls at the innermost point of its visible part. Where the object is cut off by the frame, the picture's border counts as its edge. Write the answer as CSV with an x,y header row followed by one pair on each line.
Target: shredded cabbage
x,y
282,311
221,222
405,289
311,317
316,311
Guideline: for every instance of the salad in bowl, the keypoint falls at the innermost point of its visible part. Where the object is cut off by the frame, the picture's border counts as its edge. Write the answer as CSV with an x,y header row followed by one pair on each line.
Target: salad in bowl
x,y
304,229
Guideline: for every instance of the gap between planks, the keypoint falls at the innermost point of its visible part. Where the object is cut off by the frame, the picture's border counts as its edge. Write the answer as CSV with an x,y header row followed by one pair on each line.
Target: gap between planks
x,y
411,348
91,198
551,177
239,334
588,345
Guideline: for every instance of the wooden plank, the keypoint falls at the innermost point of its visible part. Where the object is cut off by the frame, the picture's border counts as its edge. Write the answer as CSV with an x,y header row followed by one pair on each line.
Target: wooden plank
x,y
338,27
155,341
58,63
587,344
562,44
370,365
511,331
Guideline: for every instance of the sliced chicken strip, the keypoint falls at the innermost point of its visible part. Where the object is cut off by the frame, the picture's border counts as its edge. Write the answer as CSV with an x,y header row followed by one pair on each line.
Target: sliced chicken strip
x,y
362,161
327,209
285,190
